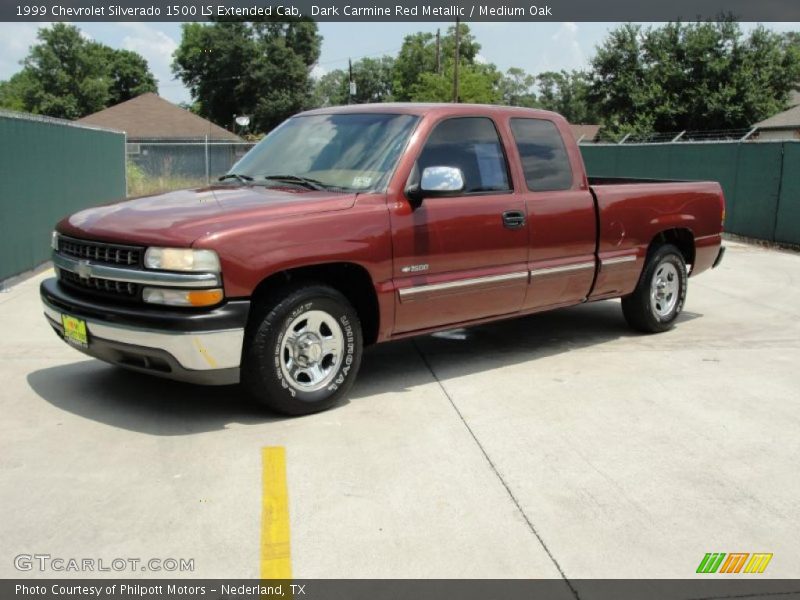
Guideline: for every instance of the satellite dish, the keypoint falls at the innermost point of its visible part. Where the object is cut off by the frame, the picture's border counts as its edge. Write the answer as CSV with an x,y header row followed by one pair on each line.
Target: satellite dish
x,y
243,120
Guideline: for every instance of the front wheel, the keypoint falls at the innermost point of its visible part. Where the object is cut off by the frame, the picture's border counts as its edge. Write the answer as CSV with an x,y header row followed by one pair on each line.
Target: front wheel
x,y
660,294
303,352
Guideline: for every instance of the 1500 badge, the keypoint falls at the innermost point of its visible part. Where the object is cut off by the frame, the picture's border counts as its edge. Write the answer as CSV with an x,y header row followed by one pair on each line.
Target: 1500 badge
x,y
414,268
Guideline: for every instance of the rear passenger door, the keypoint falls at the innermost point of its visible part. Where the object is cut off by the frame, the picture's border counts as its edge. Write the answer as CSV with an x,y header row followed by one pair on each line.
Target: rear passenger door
x,y
464,257
561,215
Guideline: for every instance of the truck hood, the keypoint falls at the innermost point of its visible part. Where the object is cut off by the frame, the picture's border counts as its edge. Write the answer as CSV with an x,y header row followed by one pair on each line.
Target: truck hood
x,y
179,218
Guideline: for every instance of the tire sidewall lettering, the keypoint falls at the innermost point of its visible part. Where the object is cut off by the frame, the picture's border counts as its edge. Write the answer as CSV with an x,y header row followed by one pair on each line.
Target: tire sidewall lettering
x,y
346,364
344,369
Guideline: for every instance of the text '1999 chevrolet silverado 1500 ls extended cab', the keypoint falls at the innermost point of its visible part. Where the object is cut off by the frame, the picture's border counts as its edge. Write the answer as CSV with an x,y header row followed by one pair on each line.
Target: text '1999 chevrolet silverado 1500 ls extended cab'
x,y
353,225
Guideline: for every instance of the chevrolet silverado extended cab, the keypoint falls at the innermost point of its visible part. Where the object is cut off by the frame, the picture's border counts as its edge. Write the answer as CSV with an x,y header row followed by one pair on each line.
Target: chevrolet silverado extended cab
x,y
353,225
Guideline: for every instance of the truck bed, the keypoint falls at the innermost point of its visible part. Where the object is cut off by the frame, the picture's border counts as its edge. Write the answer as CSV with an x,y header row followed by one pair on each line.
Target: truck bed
x,y
632,211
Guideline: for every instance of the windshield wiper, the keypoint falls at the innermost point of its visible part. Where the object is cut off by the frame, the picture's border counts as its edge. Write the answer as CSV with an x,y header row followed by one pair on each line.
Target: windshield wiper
x,y
311,184
239,176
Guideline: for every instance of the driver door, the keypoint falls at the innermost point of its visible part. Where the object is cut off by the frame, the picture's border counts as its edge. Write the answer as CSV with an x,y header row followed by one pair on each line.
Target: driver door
x,y
463,257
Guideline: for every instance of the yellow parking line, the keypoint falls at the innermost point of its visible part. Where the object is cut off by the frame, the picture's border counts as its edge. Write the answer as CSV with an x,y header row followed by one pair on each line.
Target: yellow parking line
x,y
276,560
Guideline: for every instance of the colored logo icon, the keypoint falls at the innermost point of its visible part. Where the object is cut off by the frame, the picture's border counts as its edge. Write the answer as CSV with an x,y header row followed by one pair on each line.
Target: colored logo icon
x,y
735,562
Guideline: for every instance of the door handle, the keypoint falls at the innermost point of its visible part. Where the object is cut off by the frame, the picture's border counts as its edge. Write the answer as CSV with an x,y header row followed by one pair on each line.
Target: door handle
x,y
513,219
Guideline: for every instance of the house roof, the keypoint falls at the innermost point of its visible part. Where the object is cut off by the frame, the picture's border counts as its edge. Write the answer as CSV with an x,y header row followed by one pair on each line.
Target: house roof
x,y
788,119
151,117
587,132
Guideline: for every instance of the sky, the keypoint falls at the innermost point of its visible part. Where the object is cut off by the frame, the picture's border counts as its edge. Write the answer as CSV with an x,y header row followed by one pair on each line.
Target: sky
x,y
534,47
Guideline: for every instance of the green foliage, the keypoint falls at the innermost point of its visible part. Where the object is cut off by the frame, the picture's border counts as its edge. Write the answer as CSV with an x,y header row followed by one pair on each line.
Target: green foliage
x,y
256,68
516,88
695,76
677,76
567,93
373,78
477,83
418,56
12,92
135,178
68,76
129,73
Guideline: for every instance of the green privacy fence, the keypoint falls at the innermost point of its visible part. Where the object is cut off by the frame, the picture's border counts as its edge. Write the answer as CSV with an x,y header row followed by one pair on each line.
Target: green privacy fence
x,y
761,180
48,169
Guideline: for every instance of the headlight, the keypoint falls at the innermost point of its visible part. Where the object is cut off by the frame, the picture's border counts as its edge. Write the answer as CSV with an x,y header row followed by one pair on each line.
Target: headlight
x,y
54,240
181,259
172,297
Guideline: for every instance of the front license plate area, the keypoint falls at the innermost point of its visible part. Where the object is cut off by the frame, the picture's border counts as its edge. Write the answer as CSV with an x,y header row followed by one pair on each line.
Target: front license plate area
x,y
75,331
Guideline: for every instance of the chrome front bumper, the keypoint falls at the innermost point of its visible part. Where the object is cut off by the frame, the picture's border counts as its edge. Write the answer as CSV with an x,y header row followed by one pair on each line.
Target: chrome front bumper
x,y
197,354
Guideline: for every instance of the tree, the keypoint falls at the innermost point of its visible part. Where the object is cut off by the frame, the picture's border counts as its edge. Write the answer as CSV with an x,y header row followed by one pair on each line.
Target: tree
x,y
477,83
373,78
68,76
261,68
691,76
418,56
12,92
567,94
332,88
130,75
516,88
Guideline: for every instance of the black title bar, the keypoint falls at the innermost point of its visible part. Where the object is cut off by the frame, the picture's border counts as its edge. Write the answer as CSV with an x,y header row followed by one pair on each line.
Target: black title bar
x,y
399,10
708,587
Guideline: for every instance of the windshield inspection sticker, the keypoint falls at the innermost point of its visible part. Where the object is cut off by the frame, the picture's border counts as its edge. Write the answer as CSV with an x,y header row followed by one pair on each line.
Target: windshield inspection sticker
x,y
362,181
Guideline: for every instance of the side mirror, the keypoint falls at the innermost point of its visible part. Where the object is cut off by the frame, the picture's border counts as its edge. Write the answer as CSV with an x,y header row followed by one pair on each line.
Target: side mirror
x,y
434,182
441,181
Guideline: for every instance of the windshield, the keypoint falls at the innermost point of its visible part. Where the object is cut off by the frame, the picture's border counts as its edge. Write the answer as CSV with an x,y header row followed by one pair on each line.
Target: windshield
x,y
347,152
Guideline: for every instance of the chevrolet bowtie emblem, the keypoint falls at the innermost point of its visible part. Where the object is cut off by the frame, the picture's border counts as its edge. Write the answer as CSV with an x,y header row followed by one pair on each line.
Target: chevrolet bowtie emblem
x,y
84,269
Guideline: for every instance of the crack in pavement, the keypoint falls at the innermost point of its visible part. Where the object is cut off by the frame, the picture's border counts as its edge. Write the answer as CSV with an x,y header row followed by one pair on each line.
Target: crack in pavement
x,y
493,467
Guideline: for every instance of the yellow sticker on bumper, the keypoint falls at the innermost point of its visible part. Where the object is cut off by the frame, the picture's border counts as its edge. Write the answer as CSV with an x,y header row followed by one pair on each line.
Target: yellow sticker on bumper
x,y
75,331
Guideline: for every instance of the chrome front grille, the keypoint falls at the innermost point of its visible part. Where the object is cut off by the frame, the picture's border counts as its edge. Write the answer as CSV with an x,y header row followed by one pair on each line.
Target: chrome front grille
x,y
95,285
116,272
111,254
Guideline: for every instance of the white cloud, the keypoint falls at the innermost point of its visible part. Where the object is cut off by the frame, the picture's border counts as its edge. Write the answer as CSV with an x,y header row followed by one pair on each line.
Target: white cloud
x,y
15,39
157,48
481,59
566,42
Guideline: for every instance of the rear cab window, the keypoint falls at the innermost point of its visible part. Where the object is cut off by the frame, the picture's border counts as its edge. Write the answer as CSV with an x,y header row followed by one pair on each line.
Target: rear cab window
x,y
473,145
544,157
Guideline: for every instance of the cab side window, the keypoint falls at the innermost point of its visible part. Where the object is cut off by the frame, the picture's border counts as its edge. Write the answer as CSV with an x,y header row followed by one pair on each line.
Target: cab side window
x,y
544,157
472,145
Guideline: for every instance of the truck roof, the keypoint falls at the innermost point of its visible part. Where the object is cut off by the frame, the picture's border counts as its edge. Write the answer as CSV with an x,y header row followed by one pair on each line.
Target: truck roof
x,y
436,108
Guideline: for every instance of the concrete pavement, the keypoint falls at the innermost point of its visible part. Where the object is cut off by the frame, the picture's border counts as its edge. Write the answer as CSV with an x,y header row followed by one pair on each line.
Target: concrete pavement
x,y
560,444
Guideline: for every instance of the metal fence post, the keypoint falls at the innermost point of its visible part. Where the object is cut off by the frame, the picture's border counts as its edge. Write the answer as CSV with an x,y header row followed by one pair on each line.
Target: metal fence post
x,y
125,162
679,136
746,136
207,165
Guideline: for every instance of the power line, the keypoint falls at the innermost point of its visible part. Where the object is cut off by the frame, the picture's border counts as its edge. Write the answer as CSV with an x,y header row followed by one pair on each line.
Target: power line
x,y
346,58
176,83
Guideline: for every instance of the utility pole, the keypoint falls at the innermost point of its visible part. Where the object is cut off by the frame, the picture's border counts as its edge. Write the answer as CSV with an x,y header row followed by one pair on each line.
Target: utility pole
x,y
350,81
455,66
438,53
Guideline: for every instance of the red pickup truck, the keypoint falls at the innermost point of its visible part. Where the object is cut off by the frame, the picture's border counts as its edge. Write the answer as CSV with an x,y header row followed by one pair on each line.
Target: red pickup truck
x,y
353,225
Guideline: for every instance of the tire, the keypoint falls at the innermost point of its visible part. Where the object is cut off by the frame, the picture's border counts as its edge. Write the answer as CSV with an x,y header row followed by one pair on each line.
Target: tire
x,y
660,294
302,352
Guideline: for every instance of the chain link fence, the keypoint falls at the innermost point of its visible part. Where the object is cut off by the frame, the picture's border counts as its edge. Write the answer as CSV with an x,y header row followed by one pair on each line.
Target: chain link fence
x,y
159,166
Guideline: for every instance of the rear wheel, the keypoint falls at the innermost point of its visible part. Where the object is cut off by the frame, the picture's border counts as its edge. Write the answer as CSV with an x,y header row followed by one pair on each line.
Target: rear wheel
x,y
302,353
660,294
